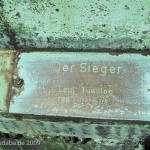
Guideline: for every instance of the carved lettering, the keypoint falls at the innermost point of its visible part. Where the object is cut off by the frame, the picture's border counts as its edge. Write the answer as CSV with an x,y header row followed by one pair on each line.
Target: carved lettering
x,y
88,68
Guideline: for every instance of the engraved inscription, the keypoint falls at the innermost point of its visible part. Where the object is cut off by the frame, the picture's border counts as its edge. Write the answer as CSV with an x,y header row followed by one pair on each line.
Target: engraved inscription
x,y
89,68
89,85
85,90
100,94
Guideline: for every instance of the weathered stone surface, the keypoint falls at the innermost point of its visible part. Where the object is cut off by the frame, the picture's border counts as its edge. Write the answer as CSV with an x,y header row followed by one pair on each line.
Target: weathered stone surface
x,y
6,68
110,24
82,85
59,143
119,136
77,24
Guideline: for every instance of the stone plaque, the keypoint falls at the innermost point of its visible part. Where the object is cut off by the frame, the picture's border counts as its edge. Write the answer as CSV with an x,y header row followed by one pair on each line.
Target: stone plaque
x,y
87,85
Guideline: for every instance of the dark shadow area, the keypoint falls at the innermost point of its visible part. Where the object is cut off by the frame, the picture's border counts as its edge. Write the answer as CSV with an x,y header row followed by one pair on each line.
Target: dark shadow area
x,y
147,144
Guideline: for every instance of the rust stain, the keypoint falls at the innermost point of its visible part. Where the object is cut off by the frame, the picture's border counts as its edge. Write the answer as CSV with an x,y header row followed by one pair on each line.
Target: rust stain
x,y
88,85
7,59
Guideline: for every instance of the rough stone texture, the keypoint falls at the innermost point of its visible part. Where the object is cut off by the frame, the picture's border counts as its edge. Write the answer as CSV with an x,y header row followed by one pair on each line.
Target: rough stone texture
x,y
75,24
59,143
6,69
104,136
